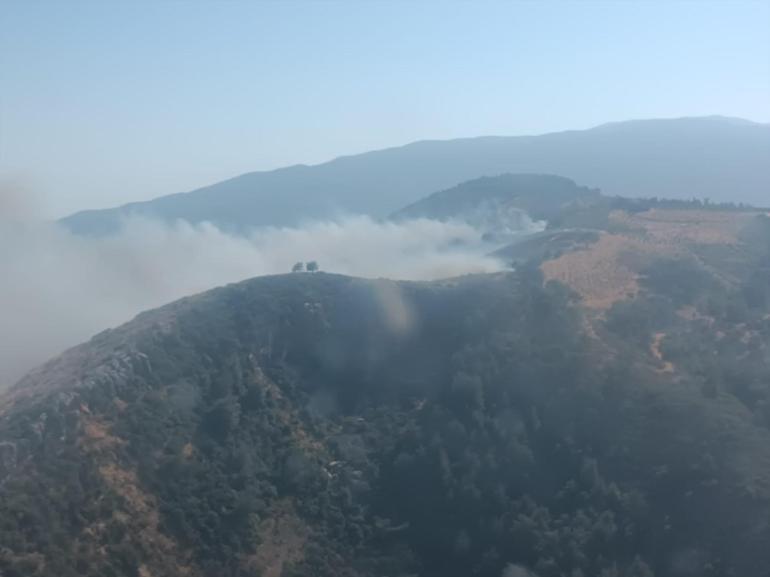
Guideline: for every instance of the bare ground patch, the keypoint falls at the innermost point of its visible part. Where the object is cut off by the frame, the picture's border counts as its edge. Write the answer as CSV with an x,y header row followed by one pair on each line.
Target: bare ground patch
x,y
665,366
597,273
606,271
282,537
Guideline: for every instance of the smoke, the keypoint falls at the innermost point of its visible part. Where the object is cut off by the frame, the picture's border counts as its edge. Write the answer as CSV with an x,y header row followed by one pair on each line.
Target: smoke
x,y
397,314
58,289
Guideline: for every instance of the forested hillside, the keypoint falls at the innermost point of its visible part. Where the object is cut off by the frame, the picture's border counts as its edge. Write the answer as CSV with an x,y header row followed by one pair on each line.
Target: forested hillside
x,y
508,424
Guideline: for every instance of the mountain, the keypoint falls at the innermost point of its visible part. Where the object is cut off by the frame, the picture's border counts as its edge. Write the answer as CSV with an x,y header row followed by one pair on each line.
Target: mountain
x,y
503,206
603,410
720,158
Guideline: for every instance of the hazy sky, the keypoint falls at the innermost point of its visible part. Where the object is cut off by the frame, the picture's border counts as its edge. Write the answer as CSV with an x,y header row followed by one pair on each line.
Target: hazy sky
x,y
107,102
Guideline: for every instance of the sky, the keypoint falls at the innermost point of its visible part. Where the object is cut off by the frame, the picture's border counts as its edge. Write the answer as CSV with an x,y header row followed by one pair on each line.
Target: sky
x,y
103,103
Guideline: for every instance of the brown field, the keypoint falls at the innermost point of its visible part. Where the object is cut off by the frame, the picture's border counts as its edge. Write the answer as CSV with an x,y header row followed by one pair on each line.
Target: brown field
x,y
139,510
607,271
597,272
671,227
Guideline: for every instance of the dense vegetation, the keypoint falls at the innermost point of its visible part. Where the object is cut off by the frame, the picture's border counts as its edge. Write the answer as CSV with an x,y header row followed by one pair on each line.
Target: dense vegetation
x,y
312,424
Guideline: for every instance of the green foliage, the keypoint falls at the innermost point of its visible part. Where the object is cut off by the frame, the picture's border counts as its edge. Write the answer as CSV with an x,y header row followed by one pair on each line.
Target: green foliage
x,y
488,436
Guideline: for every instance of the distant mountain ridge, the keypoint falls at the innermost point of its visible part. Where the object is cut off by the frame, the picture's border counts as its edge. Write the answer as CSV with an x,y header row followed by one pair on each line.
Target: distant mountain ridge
x,y
720,158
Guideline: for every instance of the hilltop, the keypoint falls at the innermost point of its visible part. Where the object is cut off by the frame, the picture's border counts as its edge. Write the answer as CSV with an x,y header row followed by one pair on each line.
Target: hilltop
x,y
601,410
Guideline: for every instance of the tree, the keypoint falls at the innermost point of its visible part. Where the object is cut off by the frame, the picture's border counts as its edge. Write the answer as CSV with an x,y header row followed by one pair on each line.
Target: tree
x,y
298,267
312,266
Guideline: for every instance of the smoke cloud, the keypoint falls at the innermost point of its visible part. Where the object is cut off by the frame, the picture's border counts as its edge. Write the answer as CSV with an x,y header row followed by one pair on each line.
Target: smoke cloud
x,y
58,289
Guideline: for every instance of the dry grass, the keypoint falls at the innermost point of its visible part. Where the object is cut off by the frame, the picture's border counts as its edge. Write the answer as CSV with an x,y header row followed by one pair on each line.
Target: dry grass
x,y
188,451
674,227
606,271
141,514
690,313
96,434
138,511
657,340
597,273
282,538
287,415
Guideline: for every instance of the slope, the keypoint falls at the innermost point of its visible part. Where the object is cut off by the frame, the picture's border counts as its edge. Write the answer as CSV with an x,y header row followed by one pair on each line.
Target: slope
x,y
314,424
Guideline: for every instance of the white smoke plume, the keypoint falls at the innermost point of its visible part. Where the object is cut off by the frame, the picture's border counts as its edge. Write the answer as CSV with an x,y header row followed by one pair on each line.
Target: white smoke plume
x,y
57,289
